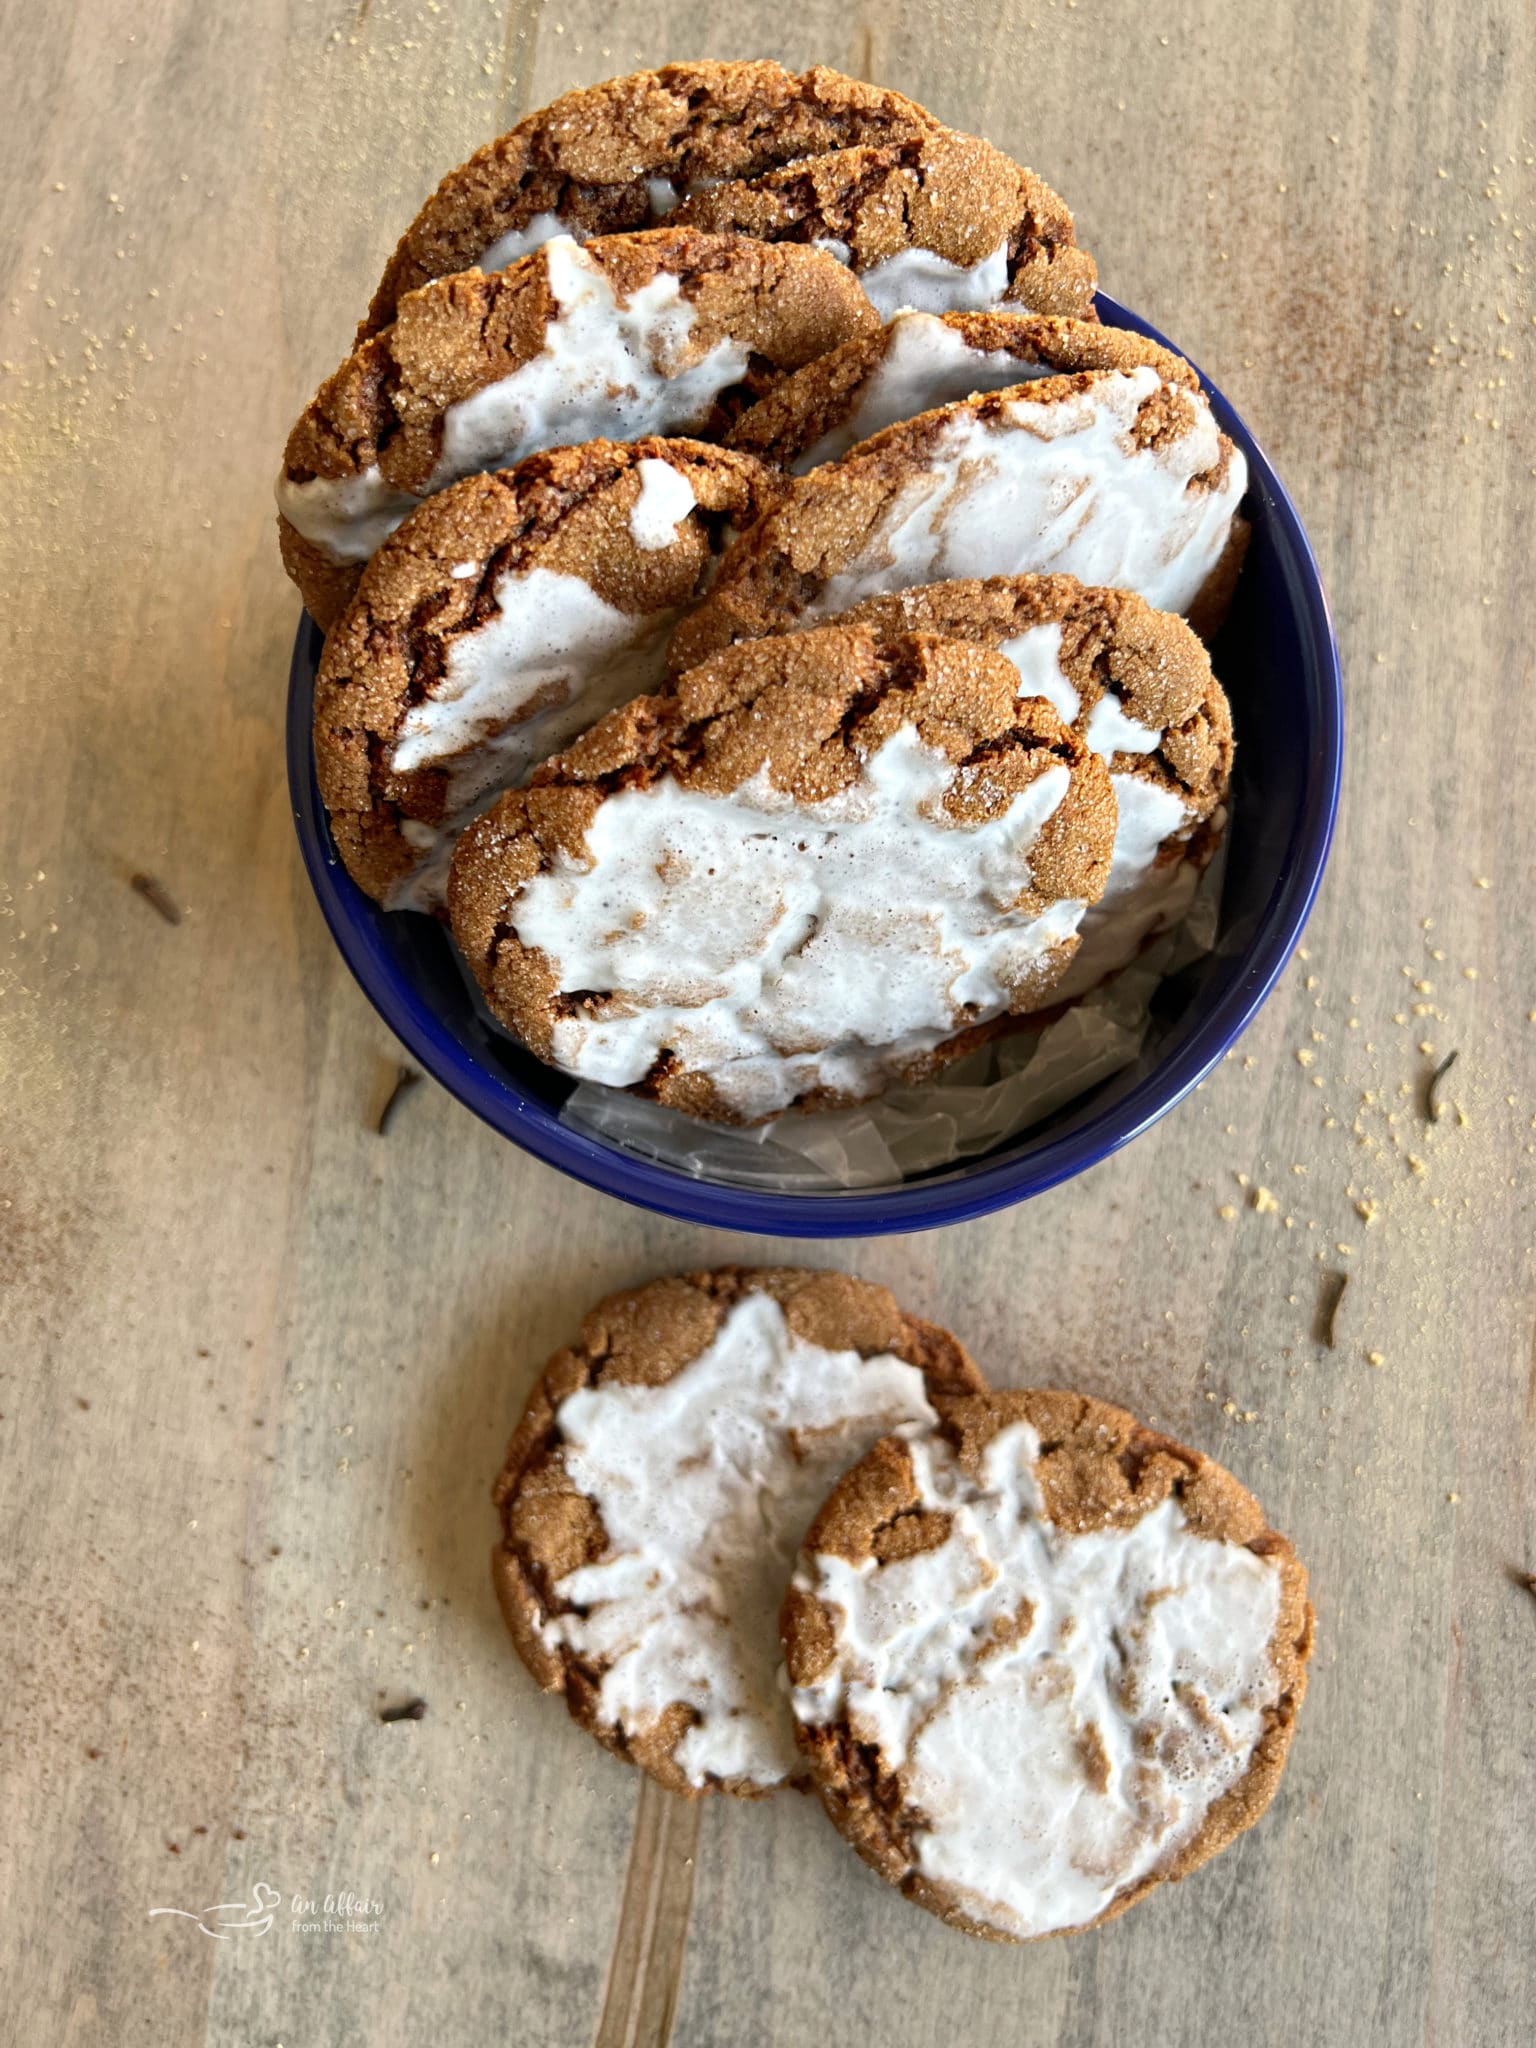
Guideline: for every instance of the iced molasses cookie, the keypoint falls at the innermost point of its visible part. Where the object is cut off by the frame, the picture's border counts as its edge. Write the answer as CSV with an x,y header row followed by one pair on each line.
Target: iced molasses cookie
x,y
816,867
660,333
659,1483
936,221
922,360
611,157
1136,684
1043,1660
1116,477
506,614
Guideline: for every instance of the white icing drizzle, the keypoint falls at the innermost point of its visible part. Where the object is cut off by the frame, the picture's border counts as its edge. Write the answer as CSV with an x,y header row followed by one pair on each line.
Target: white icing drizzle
x,y
609,368
925,364
1072,1754
666,498
917,280
779,947
706,1486
1055,487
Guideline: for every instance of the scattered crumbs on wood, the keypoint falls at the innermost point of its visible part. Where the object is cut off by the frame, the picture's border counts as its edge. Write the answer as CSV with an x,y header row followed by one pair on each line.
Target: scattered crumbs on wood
x,y
156,896
413,1710
405,1080
1525,1579
1328,1304
1432,1103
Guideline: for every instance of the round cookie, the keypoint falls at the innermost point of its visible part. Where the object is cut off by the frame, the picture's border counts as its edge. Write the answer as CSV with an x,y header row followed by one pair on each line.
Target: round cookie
x,y
611,157
1042,1660
634,334
938,221
815,868
1137,686
922,360
507,613
1117,477
657,1488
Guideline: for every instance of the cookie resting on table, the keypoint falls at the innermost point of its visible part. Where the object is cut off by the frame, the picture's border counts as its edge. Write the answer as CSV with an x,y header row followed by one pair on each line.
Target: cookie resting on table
x,y
1043,1660
939,222
610,158
1136,685
665,333
1117,477
816,867
659,1484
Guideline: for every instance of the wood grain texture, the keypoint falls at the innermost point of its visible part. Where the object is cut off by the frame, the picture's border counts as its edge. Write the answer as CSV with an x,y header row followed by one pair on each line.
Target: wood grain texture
x,y
258,1364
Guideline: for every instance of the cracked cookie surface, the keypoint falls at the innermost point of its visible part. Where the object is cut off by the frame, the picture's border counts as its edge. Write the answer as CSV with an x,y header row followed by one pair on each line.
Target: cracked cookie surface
x,y
659,1483
1042,1660
508,612
817,866
664,333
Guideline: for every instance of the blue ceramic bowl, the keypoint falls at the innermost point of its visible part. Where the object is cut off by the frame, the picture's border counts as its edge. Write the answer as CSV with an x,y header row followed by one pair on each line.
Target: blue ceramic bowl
x,y
1279,661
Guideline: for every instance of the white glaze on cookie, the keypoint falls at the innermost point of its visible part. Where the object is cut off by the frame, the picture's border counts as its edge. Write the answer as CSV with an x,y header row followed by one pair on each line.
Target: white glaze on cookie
x,y
1064,1709
1059,486
917,280
608,368
705,1486
925,364
552,659
780,948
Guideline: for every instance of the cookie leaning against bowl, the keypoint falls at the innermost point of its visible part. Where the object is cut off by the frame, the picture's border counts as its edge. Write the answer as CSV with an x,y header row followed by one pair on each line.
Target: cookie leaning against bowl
x,y
1137,686
506,614
938,221
919,361
814,868
659,1483
1116,477
1042,1661
659,333
612,157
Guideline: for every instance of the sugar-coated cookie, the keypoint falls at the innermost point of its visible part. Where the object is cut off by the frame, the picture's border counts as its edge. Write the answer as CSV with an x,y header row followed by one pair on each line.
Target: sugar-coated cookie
x,y
1136,685
1117,477
507,613
608,158
919,361
816,867
937,221
1043,1660
659,1484
665,333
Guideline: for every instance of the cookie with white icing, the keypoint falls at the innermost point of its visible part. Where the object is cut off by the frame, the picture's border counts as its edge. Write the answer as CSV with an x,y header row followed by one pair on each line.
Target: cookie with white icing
x,y
1117,477
818,866
663,333
507,613
1043,1660
1136,684
659,1484
922,360
608,158
939,222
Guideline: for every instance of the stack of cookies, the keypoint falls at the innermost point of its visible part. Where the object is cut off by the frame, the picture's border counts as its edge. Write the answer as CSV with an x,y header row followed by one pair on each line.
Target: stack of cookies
x,y
762,1529
765,609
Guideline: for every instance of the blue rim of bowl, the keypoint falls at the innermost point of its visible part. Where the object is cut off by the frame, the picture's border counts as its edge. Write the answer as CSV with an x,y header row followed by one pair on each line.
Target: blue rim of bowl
x,y
965,1191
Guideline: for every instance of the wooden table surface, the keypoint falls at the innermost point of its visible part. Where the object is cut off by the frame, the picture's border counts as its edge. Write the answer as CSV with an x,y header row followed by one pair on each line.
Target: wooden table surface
x,y
259,1363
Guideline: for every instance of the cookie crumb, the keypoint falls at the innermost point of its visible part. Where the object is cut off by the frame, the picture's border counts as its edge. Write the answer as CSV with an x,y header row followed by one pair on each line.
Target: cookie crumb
x,y
156,896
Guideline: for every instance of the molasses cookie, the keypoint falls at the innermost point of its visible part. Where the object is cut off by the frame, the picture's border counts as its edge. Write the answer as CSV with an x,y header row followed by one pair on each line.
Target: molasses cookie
x,y
1137,686
612,157
816,867
508,612
658,1486
937,221
922,360
1116,477
1042,1661
668,332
